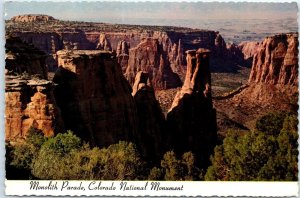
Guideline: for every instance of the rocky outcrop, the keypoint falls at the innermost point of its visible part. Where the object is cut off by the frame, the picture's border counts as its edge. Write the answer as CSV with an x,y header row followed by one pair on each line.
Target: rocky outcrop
x,y
272,85
220,46
249,48
22,58
32,18
29,100
94,97
30,103
151,119
150,57
276,62
123,54
103,44
234,52
192,119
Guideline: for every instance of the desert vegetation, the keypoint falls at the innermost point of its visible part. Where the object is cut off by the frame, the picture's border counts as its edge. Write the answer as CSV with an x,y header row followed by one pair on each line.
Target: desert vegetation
x,y
268,153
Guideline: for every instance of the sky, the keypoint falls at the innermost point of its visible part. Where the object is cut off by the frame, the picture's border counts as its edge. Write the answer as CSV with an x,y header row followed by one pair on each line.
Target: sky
x,y
152,12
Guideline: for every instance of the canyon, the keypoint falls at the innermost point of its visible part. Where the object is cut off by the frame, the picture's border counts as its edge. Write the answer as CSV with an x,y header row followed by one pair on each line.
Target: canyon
x,y
272,84
53,35
151,85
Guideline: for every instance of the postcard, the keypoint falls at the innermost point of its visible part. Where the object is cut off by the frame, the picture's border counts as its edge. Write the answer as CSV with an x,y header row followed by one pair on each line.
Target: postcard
x,y
113,98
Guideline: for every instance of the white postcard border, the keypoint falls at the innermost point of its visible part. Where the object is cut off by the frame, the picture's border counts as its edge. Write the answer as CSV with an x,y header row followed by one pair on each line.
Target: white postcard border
x,y
193,188
149,188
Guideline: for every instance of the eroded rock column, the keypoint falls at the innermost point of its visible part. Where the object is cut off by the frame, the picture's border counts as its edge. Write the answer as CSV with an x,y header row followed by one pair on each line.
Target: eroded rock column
x,y
151,119
192,119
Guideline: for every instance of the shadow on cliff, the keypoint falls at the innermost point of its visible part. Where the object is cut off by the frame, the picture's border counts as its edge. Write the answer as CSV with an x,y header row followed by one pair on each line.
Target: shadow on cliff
x,y
219,65
66,101
151,126
191,126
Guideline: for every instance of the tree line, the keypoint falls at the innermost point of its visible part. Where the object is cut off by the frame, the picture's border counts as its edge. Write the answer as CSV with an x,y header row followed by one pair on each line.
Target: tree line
x,y
268,153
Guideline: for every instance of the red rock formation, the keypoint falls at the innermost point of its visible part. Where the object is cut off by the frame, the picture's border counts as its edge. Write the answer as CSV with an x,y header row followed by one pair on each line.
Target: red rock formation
x,y
94,97
176,57
249,48
29,99
123,54
23,58
85,36
151,119
191,119
272,85
30,103
149,57
220,46
32,18
276,61
103,44
234,52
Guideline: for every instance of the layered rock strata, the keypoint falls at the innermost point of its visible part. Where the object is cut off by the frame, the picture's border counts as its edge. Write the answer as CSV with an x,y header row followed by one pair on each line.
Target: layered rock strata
x,y
192,119
94,97
272,84
53,36
151,119
29,100
149,57
276,62
30,103
249,48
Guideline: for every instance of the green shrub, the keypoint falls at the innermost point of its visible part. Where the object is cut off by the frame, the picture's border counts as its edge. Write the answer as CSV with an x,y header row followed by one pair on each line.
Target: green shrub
x,y
270,123
259,155
173,169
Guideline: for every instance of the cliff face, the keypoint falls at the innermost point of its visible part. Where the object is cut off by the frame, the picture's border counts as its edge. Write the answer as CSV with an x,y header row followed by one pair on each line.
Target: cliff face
x,y
30,103
276,61
94,97
192,119
272,85
22,58
29,99
249,48
150,57
151,119
51,37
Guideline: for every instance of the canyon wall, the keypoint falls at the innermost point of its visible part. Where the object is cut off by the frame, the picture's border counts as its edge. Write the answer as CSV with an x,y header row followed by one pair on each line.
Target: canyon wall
x,y
30,103
51,37
272,84
150,57
94,97
29,100
23,58
276,62
249,48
